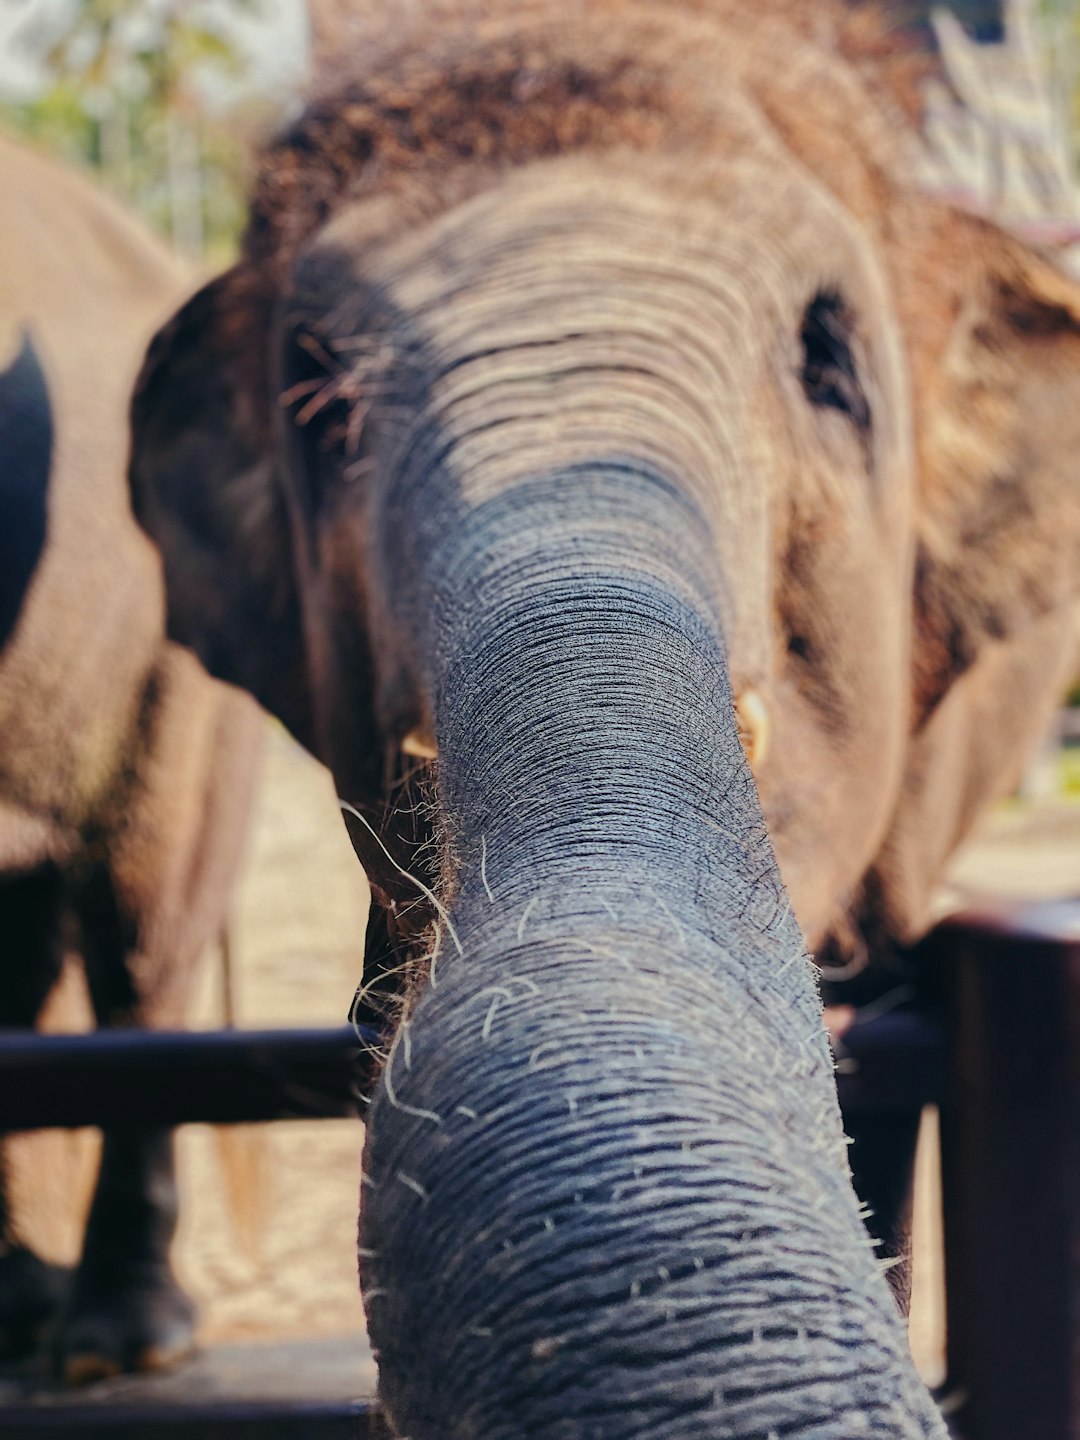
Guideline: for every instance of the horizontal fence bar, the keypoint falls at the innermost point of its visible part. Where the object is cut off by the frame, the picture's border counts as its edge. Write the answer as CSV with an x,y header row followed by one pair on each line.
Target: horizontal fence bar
x,y
146,1078
228,1077
886,1065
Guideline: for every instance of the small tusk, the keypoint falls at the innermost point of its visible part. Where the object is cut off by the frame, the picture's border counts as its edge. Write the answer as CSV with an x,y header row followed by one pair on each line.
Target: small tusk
x,y
752,718
417,744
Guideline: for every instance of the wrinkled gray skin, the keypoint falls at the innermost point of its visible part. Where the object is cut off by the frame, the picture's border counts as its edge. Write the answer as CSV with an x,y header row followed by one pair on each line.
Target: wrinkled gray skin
x,y
616,1080
653,1239
545,432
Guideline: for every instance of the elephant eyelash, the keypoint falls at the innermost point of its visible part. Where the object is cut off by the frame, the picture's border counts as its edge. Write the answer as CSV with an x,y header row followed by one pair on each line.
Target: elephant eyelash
x,y
830,376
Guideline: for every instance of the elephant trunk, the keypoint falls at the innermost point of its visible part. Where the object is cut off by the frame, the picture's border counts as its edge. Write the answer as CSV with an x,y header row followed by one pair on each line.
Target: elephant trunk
x,y
606,1191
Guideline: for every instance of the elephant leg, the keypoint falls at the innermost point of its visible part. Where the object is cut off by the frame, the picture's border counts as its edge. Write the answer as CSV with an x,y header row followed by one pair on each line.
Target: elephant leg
x,y
156,901
31,909
126,1309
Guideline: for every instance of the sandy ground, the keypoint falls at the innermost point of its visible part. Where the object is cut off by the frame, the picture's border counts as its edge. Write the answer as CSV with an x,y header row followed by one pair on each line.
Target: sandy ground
x,y
269,1212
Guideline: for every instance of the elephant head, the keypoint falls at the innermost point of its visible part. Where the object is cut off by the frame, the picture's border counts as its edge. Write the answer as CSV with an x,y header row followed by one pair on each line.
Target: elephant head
x,y
609,411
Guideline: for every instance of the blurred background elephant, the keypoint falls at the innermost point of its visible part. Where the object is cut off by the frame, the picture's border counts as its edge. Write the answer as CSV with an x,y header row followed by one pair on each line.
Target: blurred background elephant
x,y
126,775
616,417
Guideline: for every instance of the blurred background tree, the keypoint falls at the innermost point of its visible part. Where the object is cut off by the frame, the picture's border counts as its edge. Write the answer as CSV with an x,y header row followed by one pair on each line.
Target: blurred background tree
x,y
152,94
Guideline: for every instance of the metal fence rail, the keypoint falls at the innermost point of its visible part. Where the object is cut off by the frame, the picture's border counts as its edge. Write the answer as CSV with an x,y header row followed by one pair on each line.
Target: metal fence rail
x,y
993,1039
232,1077
215,1077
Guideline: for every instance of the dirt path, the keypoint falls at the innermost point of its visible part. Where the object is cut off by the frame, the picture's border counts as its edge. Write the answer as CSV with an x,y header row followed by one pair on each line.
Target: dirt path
x,y
269,1213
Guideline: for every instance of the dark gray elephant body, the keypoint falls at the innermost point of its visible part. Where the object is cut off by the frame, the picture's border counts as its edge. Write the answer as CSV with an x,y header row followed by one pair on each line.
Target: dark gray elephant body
x,y
126,775
588,424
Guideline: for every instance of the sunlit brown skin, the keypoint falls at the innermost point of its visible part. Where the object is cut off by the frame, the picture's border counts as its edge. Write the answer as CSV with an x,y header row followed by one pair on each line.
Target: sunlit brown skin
x,y
545,241
125,774
977,338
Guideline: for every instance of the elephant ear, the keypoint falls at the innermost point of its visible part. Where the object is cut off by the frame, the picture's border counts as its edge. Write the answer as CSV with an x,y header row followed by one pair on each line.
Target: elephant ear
x,y
999,514
205,485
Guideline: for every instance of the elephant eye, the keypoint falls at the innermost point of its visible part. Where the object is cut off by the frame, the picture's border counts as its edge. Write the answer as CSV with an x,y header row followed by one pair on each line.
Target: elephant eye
x,y
318,395
830,376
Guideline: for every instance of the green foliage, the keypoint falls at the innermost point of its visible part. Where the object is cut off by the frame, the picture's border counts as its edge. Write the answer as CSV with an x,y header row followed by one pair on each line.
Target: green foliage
x,y
58,122
1070,771
147,94
1061,21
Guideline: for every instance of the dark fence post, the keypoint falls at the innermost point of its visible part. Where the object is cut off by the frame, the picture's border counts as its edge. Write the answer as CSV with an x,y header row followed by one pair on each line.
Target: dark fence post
x,y
1011,1169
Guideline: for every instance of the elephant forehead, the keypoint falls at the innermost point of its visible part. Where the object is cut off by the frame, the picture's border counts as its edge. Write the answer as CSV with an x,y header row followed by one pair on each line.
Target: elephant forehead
x,y
577,300
746,228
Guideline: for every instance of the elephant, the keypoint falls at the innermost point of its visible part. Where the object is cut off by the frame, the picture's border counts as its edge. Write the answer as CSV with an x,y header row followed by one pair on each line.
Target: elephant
x,y
656,503
126,773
